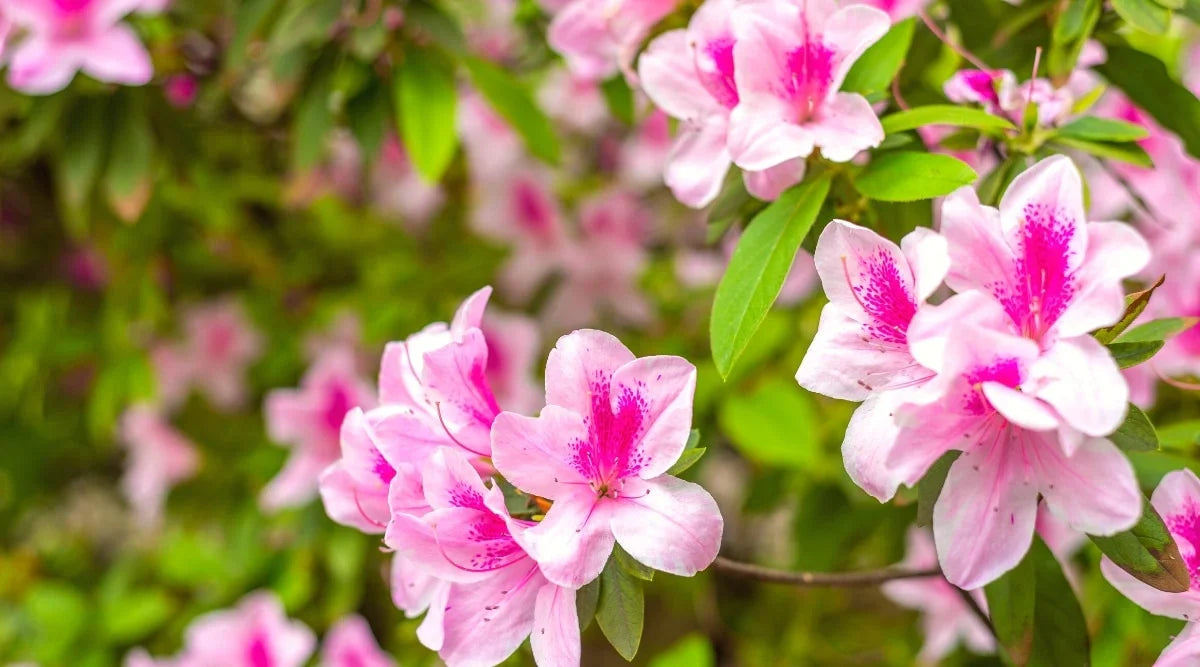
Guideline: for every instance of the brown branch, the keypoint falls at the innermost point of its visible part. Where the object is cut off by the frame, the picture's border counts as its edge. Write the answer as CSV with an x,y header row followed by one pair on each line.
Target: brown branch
x,y
835,579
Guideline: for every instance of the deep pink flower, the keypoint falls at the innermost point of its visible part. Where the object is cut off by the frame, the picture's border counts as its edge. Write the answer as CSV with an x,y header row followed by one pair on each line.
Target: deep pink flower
x,y
309,419
600,449
500,595
998,92
599,37
219,345
65,36
180,90
256,633
350,643
159,458
790,58
946,619
899,9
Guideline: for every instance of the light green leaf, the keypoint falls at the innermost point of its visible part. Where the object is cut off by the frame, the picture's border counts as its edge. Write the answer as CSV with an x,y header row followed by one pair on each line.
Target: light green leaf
x,y
313,121
620,612
693,650
1122,152
1158,330
773,425
879,64
1093,128
943,114
135,614
756,272
1135,304
1148,552
1180,435
513,101
1144,15
910,176
1132,354
632,566
427,99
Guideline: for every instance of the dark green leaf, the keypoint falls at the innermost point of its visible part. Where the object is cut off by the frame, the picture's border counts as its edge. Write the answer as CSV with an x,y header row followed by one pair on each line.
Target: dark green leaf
x,y
1134,305
586,599
513,101
1144,15
86,143
1072,23
367,114
1145,80
1158,330
619,98
1011,602
1136,433
943,114
1132,354
761,261
1122,152
304,22
910,176
1060,635
426,101
1148,552
992,187
313,122
1103,129
930,487
621,609
127,179
878,65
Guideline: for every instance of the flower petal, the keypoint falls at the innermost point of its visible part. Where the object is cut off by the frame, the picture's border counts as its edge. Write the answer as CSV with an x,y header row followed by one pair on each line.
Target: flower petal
x,y
844,361
555,635
667,69
659,391
845,126
1115,251
668,524
573,542
535,453
500,609
698,161
579,361
1094,490
1080,379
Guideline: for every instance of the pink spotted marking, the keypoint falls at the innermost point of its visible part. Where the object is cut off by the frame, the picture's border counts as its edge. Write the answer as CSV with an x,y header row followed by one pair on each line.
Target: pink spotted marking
x,y
882,291
496,547
533,211
463,495
612,451
1005,370
715,66
1044,282
382,469
1185,528
808,76
258,653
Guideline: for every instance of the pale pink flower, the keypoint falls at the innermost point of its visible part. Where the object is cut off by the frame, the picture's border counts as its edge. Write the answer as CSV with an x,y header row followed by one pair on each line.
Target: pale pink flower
x,y
343,334
219,345
256,632
998,92
522,209
159,458
173,371
138,657
499,595
1177,500
644,154
790,58
598,38
491,146
691,75
572,100
899,9
600,449
350,643
396,189
309,420
65,36
946,619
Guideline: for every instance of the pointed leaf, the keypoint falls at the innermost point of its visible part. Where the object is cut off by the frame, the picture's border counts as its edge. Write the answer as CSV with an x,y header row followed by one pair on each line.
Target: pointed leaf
x,y
1136,433
426,100
910,176
1147,551
621,609
930,487
1158,330
1144,15
879,64
943,114
1131,354
1134,305
1103,129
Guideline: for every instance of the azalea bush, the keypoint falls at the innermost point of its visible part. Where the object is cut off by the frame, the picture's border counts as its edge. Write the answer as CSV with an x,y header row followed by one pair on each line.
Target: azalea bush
x,y
560,332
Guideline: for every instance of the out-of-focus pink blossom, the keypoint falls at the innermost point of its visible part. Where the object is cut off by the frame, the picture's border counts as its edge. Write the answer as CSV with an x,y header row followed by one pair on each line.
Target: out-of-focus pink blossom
x,y
704,268
998,92
645,153
350,643
65,36
255,633
899,9
522,209
491,146
309,420
159,457
598,38
574,101
946,619
396,189
512,344
180,90
173,372
600,449
86,268
219,344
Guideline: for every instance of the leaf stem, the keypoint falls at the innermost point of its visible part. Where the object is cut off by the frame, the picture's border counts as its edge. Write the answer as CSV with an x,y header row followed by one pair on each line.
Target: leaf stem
x,y
833,579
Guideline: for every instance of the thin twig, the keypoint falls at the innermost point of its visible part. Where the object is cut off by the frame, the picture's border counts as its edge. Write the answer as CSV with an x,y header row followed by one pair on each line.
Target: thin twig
x,y
977,610
960,50
860,578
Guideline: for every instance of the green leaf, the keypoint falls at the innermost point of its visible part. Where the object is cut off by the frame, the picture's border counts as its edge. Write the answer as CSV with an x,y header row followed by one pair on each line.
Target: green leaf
x,y
1148,552
619,98
1122,152
694,650
1180,435
631,565
992,186
59,613
1103,129
513,101
586,599
878,65
426,99
1132,354
1136,433
1146,81
313,122
692,453
1072,23
943,114
930,487
1134,305
756,272
304,22
86,140
774,425
133,615
367,115
620,610
1012,601
1144,15
127,179
1158,330
910,176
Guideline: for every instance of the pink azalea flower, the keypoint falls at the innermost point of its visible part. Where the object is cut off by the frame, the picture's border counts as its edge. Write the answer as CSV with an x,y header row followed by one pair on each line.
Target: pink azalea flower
x,y
512,343
255,633
180,90
899,9
309,419
219,345
65,36
790,58
946,618
397,190
173,371
574,101
643,155
138,657
691,75
599,37
600,449
500,595
1177,500
998,92
159,458
350,643
491,146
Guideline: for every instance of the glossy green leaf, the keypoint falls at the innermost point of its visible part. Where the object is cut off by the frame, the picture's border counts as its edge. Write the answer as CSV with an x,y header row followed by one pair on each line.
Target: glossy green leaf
x,y
1128,152
1132,354
1146,81
930,487
759,265
427,100
1103,129
1012,601
911,176
879,64
1135,304
1145,15
513,101
1148,552
943,114
620,611
1158,330
1136,433
774,425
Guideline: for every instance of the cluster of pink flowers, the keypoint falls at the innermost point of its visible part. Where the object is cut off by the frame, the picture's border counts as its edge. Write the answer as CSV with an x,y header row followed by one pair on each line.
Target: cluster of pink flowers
x,y
62,37
1004,371
417,468
258,633
757,85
